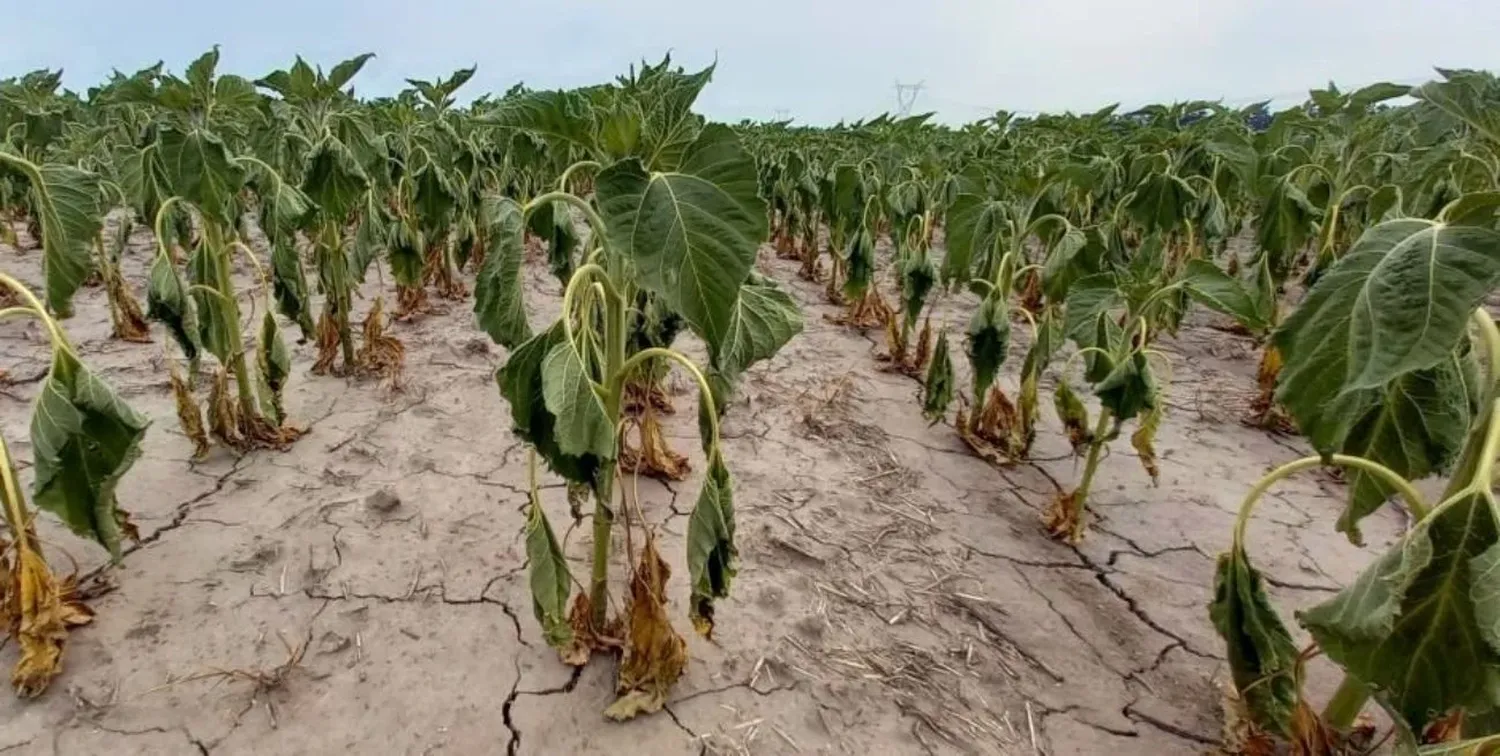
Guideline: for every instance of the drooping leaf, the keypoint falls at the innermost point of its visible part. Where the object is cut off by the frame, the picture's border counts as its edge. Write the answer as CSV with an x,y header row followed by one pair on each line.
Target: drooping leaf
x,y
989,340
1462,97
710,544
551,582
520,381
1473,209
498,303
974,224
765,318
1285,223
918,275
655,655
1217,290
289,285
860,264
216,325
67,204
197,167
1089,298
583,427
1414,426
1377,315
562,115
1409,625
405,253
334,179
84,438
167,301
1129,389
691,233
1059,270
1160,202
1262,656
368,242
937,387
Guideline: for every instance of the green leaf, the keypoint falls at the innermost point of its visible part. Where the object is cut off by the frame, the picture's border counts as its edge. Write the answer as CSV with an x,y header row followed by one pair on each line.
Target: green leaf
x,y
216,325
711,555
583,426
1414,426
1217,290
498,303
1481,746
988,342
973,225
692,234
520,381
84,438
167,302
764,319
554,224
1472,209
1059,269
551,582
197,168
334,179
1286,223
344,71
860,264
1046,340
937,388
369,241
918,275
1161,201
562,115
284,209
67,204
1262,657
1463,97
1378,314
1089,298
1129,389
1409,625
274,363
405,253
289,285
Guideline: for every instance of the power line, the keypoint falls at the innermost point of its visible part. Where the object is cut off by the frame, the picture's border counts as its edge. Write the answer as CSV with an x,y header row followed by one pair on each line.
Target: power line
x,y
906,96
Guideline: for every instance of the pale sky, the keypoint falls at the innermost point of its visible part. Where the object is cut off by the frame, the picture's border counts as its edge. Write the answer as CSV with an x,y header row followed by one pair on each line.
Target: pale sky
x,y
816,60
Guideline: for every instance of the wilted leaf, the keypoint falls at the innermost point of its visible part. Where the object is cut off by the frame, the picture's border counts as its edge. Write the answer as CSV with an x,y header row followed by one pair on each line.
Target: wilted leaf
x,y
710,544
655,655
1223,293
289,285
67,204
197,167
520,381
1409,624
764,319
334,179
937,388
973,225
84,438
583,427
551,582
498,303
1262,656
1129,389
167,301
989,340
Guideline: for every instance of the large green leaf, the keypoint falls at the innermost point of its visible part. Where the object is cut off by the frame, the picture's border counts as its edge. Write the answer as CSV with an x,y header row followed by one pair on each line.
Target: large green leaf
x,y
1059,268
334,179
1263,659
520,381
765,318
692,233
1410,624
711,554
562,115
1463,97
67,203
1161,202
1129,389
1397,302
918,275
498,303
1286,223
583,426
1088,298
669,125
1415,426
84,438
1217,290
197,167
973,225
551,582
284,209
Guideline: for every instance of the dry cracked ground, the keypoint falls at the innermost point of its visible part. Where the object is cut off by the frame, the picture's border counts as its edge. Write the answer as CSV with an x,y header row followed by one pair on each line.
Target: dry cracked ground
x,y
896,594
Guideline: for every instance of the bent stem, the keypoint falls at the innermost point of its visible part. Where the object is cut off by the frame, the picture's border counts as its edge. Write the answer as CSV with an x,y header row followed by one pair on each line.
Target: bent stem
x,y
37,310
1352,694
1081,494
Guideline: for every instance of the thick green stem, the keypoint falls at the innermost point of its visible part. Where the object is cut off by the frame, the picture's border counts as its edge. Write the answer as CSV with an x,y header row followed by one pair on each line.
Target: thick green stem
x,y
54,331
213,236
1470,458
1346,704
614,370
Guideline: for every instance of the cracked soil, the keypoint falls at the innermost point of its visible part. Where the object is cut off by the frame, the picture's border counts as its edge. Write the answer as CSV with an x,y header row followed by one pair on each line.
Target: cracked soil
x,y
896,594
